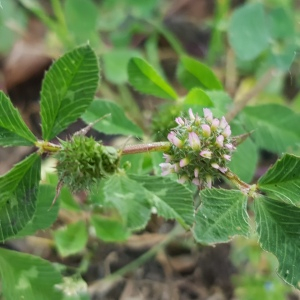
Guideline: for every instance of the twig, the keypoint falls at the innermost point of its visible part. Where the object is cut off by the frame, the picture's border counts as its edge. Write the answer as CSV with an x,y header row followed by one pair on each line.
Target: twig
x,y
260,85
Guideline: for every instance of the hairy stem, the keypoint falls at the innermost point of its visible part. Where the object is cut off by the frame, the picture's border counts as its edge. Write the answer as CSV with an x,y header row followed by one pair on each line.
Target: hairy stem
x,y
260,85
141,148
47,147
241,185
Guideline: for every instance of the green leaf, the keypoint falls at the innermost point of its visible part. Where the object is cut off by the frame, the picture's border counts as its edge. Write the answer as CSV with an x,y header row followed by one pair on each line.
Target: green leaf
x,y
282,30
245,159
24,276
282,180
75,12
109,230
276,127
18,194
171,199
129,199
278,226
222,103
71,239
13,130
247,32
146,80
68,89
45,215
115,64
116,123
192,73
197,96
222,215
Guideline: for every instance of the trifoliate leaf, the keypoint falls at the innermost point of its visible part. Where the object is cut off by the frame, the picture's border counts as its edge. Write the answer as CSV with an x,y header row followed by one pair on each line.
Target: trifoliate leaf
x,y
13,130
71,239
221,216
283,179
172,200
28,277
18,194
68,89
115,123
278,227
146,80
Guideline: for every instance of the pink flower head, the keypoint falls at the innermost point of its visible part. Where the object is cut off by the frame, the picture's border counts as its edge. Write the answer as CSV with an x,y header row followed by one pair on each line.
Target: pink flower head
x,y
219,141
223,123
192,116
226,132
215,124
196,181
184,162
175,140
194,141
206,154
179,121
166,169
183,179
196,172
167,157
208,115
206,130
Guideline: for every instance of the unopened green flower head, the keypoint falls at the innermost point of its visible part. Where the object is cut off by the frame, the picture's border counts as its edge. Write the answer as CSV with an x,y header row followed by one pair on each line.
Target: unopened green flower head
x,y
201,149
82,161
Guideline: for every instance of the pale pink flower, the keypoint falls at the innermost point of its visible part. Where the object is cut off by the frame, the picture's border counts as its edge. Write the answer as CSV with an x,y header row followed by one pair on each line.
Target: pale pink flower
x,y
183,179
223,170
208,115
197,120
215,166
184,162
223,123
179,121
196,172
167,157
175,140
215,124
206,130
227,157
176,167
192,116
209,181
226,132
196,181
230,146
194,141
206,154
166,169
219,141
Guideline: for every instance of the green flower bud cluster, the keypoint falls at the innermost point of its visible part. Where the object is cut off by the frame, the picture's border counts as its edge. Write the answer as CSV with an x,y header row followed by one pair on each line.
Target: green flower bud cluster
x,y
201,149
82,161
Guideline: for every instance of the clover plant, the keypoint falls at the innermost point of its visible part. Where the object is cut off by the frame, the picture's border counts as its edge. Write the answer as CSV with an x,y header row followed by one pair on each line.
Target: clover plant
x,y
201,151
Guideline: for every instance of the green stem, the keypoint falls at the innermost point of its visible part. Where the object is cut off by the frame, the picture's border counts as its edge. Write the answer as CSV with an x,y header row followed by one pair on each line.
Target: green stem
x,y
244,187
141,148
47,147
